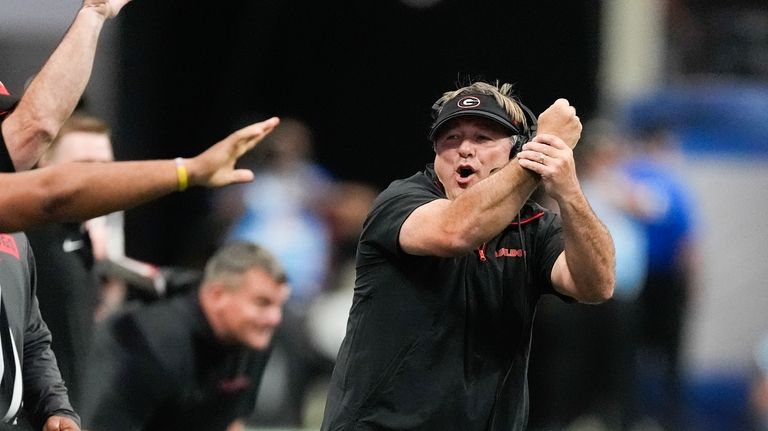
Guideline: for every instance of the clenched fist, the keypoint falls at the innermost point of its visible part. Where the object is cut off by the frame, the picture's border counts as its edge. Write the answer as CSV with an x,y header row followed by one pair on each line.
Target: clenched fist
x,y
560,120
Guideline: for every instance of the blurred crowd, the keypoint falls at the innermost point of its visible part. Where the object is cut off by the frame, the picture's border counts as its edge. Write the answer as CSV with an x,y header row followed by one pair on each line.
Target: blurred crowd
x,y
618,365
308,219
613,366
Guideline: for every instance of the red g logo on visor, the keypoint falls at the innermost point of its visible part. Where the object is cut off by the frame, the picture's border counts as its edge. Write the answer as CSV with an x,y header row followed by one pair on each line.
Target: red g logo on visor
x,y
468,102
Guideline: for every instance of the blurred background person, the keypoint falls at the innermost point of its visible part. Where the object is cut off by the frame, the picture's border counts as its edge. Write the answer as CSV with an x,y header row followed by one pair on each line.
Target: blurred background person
x,y
593,388
282,209
758,401
68,288
82,270
344,209
194,361
663,204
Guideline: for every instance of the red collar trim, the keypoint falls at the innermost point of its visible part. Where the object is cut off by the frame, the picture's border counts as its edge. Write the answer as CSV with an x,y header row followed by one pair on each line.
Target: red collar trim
x,y
529,219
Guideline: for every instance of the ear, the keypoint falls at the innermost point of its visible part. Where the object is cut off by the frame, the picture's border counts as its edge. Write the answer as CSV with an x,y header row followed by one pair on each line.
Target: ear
x,y
517,144
213,301
213,293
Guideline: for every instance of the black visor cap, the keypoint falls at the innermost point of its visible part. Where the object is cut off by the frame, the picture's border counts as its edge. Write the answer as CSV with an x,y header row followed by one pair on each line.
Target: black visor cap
x,y
478,105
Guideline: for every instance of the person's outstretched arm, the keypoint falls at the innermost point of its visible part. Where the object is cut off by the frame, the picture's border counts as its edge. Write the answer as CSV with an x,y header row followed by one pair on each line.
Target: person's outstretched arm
x,y
80,191
53,93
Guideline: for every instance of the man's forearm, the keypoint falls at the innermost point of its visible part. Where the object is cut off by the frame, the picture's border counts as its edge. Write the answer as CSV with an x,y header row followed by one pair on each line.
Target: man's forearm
x,y
54,92
486,208
589,251
80,191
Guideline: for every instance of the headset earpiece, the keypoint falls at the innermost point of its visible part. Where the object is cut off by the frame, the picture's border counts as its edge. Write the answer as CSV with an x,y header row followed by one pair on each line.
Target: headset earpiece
x,y
529,132
517,145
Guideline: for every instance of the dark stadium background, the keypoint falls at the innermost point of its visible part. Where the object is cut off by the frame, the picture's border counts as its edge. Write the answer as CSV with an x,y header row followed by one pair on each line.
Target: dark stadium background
x,y
363,75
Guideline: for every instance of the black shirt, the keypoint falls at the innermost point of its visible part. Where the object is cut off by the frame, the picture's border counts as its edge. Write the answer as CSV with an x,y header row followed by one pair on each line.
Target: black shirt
x,y
67,293
44,390
440,343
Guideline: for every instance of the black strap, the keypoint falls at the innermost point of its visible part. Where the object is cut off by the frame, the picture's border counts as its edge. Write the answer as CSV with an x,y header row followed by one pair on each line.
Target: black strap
x,y
9,375
6,164
7,103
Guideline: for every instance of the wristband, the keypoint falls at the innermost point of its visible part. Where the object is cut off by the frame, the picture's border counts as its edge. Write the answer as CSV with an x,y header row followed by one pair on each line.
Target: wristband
x,y
181,174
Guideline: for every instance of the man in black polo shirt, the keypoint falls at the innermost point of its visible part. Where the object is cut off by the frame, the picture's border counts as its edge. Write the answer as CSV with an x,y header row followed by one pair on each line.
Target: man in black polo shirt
x,y
451,263
194,361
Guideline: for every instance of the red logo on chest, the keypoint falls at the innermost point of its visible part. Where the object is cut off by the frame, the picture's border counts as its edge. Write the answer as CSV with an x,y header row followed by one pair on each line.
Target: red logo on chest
x,y
234,384
506,252
8,245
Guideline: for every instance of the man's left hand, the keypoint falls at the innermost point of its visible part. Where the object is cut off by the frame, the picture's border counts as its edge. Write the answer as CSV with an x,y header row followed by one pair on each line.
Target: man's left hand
x,y
550,157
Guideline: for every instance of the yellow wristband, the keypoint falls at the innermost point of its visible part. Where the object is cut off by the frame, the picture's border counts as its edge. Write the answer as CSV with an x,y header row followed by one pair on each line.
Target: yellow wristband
x,y
181,174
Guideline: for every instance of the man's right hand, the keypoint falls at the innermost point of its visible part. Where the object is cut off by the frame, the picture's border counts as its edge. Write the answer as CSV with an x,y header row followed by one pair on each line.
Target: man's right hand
x,y
560,120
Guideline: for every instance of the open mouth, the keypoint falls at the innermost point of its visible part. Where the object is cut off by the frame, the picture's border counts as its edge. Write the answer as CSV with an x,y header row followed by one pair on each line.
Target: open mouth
x,y
465,171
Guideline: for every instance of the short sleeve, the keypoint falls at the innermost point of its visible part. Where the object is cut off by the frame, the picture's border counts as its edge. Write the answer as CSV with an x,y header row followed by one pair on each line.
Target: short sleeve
x,y
390,210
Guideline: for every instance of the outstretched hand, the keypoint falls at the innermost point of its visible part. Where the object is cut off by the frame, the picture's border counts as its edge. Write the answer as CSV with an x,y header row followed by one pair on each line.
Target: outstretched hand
x,y
108,8
560,120
60,423
215,167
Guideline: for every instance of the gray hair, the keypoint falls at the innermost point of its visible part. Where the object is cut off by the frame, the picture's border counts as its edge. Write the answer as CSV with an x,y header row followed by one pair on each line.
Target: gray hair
x,y
237,258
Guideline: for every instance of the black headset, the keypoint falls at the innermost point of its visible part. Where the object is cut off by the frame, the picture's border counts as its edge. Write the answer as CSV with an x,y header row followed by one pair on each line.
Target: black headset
x,y
520,139
528,134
